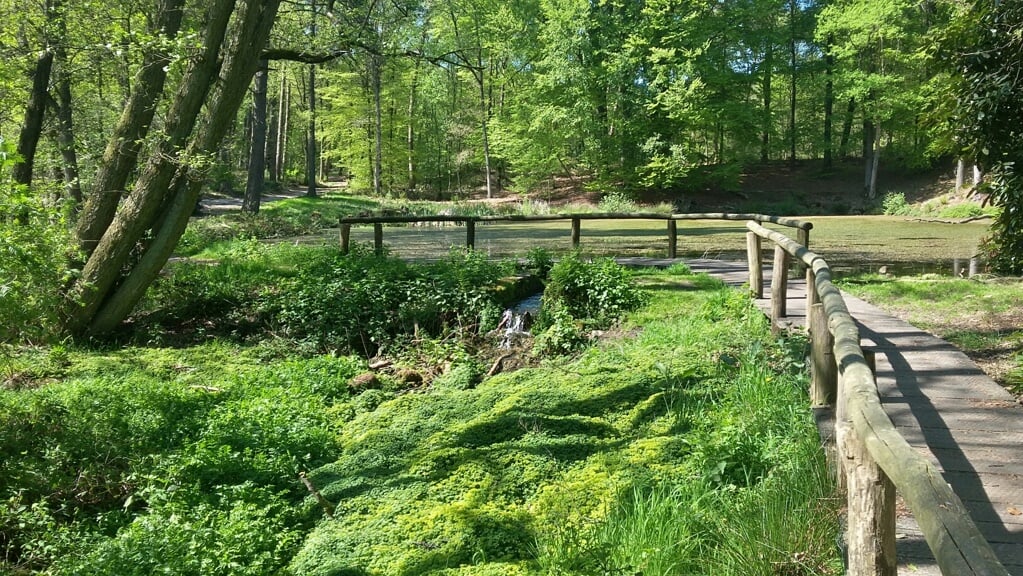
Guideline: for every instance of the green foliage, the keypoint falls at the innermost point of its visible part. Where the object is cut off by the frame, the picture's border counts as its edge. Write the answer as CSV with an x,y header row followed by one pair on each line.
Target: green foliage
x,y
595,293
988,51
894,204
539,261
34,251
618,202
361,301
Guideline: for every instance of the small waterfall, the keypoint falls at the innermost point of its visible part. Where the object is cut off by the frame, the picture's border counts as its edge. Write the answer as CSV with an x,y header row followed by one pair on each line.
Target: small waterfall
x,y
517,321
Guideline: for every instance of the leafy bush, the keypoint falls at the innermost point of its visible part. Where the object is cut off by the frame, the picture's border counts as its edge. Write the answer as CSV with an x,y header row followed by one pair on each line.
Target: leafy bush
x,y
361,301
618,202
895,204
596,293
34,250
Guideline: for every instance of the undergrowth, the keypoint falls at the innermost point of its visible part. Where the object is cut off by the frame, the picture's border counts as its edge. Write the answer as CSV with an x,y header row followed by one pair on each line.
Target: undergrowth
x,y
680,442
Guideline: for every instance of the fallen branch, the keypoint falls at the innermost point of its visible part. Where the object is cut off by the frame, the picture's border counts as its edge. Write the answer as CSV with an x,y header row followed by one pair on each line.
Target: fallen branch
x,y
947,221
497,364
328,508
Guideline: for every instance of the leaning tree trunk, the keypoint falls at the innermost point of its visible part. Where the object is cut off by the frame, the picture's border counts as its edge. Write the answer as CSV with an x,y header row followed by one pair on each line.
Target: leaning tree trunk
x,y
122,152
146,228
257,147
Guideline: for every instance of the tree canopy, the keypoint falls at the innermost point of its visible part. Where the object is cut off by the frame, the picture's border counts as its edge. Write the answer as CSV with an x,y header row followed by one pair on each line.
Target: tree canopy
x,y
125,111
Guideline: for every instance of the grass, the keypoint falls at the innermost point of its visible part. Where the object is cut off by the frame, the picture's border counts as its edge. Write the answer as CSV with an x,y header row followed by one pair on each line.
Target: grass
x,y
656,451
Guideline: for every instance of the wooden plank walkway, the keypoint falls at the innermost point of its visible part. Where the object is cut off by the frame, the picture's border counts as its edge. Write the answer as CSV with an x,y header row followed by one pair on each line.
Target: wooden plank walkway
x,y
969,427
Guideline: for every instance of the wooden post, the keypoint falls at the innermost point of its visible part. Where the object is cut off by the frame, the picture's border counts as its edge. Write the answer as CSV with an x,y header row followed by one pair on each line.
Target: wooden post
x,y
974,267
672,238
470,233
755,262
957,267
779,285
378,237
870,497
575,232
803,237
811,292
823,369
346,238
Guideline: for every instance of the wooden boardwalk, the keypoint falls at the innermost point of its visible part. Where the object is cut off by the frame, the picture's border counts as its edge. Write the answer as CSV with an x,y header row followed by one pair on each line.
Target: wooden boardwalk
x,y
969,427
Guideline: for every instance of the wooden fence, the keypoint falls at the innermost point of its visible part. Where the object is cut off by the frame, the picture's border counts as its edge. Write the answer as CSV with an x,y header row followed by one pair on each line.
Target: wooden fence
x,y
874,460
577,219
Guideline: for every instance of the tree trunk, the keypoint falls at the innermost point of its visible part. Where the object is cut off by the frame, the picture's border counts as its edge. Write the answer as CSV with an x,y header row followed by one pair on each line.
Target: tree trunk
x,y
960,174
792,85
311,150
765,137
283,121
875,162
829,104
484,110
65,125
378,130
843,143
121,155
868,154
257,148
146,228
35,111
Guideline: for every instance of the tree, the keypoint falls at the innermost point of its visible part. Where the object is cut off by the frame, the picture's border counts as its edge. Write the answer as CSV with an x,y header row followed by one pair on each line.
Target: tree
x,y
988,51
132,248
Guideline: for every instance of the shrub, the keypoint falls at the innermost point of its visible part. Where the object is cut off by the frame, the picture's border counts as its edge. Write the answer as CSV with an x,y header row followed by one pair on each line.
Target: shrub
x,y
618,202
895,204
361,301
34,249
596,293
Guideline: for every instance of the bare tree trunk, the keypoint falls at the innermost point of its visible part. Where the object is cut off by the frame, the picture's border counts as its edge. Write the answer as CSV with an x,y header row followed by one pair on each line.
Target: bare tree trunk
x,y
311,150
868,153
124,145
257,147
960,174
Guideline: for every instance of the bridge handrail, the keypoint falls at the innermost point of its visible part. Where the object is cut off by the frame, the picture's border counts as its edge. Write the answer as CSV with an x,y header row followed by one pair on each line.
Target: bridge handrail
x,y
876,457
346,222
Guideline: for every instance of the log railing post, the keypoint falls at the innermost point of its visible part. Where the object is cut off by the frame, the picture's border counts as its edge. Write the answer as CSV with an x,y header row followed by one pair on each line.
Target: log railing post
x,y
470,233
823,368
346,238
803,237
378,237
575,232
755,263
870,498
779,285
672,238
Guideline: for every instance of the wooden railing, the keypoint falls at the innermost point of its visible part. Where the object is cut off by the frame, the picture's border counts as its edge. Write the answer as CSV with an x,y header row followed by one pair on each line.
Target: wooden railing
x,y
874,460
471,221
